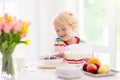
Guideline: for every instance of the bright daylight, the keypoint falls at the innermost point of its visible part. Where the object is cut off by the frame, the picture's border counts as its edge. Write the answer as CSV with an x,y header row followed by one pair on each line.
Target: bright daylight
x,y
59,39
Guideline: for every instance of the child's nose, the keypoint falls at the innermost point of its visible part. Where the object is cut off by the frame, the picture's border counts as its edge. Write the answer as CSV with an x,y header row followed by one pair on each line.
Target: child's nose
x,y
61,32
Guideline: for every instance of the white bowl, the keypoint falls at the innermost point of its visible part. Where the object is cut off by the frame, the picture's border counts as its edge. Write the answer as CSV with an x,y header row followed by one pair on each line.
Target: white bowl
x,y
48,61
77,55
69,72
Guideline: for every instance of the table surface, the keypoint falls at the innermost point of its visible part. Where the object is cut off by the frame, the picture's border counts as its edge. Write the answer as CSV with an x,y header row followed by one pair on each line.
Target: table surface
x,y
35,73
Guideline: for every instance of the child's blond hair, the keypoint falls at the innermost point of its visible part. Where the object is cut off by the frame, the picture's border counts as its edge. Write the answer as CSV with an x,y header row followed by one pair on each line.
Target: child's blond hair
x,y
66,18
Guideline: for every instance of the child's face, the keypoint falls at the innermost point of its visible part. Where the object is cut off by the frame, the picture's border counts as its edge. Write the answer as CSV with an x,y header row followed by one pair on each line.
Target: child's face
x,y
64,32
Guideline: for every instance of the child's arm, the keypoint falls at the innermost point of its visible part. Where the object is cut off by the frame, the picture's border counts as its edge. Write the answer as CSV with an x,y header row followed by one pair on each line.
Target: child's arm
x,y
86,59
60,54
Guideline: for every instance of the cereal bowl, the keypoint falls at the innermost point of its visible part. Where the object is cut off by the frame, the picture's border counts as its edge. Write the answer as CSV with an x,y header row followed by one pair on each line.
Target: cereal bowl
x,y
50,60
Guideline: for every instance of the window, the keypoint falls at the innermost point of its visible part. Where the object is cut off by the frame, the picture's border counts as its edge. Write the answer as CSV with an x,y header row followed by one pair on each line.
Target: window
x,y
98,27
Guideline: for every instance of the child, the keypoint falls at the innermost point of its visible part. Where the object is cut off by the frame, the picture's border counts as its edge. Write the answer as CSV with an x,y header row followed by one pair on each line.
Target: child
x,y
65,25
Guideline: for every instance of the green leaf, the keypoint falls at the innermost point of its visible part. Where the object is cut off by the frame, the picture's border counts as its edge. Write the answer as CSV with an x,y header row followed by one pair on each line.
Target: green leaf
x,y
5,36
17,37
12,47
5,44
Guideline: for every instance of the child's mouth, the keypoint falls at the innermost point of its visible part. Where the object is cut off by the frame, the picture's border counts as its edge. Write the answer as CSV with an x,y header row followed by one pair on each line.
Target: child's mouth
x,y
62,36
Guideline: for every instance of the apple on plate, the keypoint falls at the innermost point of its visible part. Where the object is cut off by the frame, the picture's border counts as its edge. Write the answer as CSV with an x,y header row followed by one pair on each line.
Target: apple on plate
x,y
85,66
92,68
98,65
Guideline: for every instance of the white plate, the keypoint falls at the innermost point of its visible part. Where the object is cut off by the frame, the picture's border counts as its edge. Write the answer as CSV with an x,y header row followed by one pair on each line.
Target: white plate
x,y
110,73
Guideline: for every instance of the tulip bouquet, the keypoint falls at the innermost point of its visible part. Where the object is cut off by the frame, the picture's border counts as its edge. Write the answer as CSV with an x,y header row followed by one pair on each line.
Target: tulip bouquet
x,y
12,32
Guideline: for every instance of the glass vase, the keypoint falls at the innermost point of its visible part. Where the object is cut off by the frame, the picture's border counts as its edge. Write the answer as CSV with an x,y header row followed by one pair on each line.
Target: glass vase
x,y
7,65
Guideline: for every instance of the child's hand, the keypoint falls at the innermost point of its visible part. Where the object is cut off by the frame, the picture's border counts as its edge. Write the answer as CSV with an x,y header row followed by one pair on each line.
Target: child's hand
x,y
60,54
86,59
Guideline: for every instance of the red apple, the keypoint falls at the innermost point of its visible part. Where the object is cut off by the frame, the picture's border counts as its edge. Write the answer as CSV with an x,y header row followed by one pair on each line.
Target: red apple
x,y
98,65
85,67
92,68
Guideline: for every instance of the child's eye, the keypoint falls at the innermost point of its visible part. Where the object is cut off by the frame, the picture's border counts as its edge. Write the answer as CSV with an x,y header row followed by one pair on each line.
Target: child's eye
x,y
57,30
64,29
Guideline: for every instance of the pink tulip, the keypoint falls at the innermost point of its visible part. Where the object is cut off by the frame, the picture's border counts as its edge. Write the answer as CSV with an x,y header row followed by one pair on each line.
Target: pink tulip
x,y
1,25
6,15
23,35
28,24
17,27
7,28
